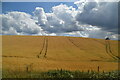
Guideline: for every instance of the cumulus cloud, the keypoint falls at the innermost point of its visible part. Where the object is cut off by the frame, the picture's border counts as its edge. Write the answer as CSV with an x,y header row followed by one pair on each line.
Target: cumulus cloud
x,y
90,19
101,14
62,19
18,23
39,12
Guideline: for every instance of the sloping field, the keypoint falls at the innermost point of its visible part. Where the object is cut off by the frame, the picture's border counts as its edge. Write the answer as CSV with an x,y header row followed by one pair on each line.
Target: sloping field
x,y
47,52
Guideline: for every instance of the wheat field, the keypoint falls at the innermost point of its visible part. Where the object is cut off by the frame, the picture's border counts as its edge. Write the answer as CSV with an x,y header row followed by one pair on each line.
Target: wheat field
x,y
57,52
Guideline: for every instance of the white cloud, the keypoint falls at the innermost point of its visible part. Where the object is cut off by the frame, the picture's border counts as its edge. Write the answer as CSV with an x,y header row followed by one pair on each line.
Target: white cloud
x,y
103,15
11,31
39,12
60,20
19,23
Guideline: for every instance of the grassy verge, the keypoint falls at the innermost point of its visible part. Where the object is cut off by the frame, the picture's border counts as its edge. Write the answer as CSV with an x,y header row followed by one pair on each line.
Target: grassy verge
x,y
61,74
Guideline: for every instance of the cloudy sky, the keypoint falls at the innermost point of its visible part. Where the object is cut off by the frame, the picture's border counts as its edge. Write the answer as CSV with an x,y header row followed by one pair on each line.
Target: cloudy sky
x,y
79,19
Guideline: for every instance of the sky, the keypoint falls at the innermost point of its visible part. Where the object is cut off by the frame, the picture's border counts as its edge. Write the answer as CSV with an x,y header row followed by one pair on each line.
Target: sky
x,y
78,19
29,7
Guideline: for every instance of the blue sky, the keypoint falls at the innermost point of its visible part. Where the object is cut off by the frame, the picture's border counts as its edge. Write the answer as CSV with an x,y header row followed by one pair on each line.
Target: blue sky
x,y
29,7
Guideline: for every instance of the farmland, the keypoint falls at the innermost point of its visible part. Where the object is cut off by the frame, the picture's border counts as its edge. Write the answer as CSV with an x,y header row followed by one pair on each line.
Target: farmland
x,y
43,53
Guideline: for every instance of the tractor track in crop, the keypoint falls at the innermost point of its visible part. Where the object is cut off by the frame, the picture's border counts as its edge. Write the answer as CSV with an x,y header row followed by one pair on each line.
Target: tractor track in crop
x,y
15,56
108,49
73,42
70,40
44,48
43,45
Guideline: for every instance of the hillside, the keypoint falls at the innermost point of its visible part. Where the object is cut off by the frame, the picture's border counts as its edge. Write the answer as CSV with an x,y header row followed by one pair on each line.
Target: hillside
x,y
56,52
